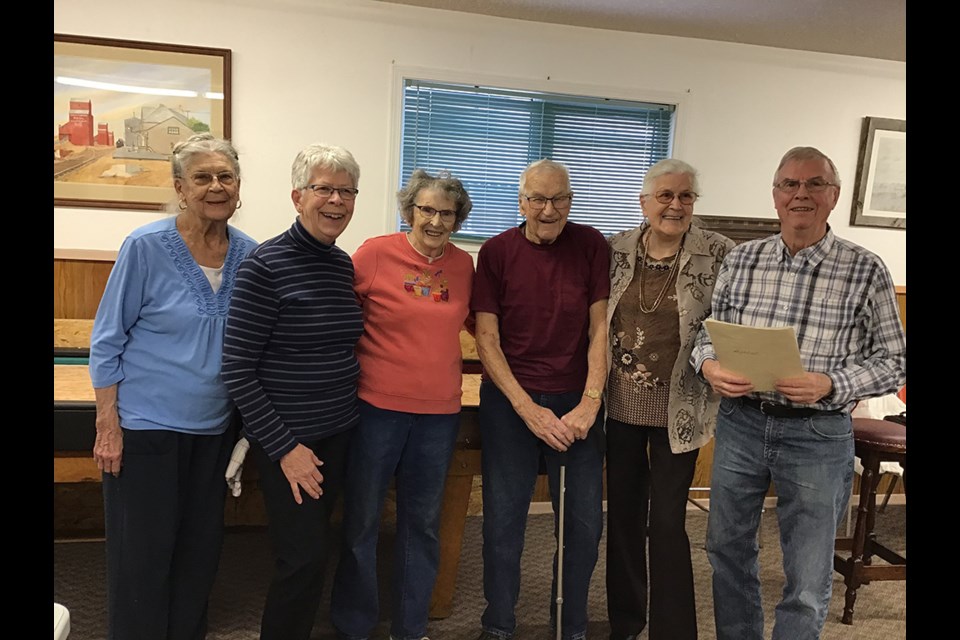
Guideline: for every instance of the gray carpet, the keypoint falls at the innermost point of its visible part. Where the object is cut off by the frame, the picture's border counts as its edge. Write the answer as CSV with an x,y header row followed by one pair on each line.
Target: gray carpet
x,y
79,584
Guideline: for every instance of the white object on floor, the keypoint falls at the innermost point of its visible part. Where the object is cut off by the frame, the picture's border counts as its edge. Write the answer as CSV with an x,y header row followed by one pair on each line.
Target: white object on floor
x,y
61,622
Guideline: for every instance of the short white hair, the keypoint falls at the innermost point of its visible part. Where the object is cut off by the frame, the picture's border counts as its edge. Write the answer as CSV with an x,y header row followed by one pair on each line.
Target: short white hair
x,y
324,156
670,166
544,165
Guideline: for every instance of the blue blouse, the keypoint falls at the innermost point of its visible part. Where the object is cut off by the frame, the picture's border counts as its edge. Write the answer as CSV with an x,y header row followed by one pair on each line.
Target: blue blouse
x,y
158,334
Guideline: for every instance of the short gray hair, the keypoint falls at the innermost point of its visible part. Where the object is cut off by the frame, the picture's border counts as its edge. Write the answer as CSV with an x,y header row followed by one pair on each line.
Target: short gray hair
x,y
443,182
184,152
670,166
322,156
800,154
543,165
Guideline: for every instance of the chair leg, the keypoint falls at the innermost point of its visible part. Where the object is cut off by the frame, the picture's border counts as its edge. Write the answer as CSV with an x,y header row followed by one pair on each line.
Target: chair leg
x,y
849,516
871,521
868,482
886,497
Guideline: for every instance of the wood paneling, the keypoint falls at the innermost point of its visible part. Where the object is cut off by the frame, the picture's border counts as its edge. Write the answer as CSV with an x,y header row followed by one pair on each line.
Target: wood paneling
x,y
902,303
78,286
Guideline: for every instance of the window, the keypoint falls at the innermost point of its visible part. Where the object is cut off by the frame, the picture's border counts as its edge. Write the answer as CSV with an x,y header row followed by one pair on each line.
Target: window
x,y
486,136
173,131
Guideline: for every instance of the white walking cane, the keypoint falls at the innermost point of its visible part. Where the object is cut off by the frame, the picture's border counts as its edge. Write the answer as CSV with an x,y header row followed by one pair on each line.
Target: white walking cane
x,y
563,489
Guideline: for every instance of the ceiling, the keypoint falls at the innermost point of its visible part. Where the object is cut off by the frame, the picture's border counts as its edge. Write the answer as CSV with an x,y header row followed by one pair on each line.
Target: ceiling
x,y
867,28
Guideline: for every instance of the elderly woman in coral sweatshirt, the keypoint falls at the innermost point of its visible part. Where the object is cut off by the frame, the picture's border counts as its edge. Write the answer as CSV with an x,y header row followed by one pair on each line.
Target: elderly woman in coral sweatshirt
x,y
415,289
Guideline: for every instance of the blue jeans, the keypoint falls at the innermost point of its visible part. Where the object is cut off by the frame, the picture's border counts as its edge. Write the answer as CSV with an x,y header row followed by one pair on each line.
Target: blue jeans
x,y
810,461
510,463
416,448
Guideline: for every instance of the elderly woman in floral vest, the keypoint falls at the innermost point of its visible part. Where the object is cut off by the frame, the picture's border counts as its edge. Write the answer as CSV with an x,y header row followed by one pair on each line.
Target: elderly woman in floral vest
x,y
662,277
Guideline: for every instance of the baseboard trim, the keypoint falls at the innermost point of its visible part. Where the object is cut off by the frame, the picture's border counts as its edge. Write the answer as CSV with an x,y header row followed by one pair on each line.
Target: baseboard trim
x,y
770,502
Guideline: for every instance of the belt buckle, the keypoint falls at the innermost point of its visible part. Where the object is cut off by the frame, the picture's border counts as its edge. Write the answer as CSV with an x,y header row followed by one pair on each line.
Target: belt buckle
x,y
763,407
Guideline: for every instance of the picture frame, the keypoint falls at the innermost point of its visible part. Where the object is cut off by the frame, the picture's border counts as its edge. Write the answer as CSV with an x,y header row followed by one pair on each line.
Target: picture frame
x,y
120,106
739,229
880,190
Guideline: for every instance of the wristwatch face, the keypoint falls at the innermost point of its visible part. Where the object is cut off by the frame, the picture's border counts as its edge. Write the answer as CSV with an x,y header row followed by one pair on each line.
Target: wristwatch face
x,y
592,393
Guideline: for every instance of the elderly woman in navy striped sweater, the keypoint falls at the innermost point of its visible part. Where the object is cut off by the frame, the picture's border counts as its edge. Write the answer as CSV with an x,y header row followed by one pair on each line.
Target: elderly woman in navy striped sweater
x,y
288,362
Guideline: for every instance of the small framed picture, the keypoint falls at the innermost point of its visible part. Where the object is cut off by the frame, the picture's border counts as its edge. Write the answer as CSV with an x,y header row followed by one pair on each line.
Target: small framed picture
x,y
880,192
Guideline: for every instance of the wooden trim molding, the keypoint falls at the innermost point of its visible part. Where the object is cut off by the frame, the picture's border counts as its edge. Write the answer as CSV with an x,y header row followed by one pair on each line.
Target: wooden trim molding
x,y
95,255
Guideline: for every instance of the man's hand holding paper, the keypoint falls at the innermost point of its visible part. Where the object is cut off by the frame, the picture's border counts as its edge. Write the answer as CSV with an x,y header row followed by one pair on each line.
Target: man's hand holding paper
x,y
764,357
805,389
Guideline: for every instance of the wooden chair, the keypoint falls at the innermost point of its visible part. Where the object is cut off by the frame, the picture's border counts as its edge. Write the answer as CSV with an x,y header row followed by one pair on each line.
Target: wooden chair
x,y
875,441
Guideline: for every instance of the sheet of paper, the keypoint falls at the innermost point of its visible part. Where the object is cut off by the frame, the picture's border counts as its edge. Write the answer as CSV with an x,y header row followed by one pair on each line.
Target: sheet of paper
x,y
760,354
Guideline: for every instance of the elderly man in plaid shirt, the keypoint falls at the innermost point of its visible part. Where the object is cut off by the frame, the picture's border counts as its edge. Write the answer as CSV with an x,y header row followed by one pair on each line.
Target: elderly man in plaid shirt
x,y
840,299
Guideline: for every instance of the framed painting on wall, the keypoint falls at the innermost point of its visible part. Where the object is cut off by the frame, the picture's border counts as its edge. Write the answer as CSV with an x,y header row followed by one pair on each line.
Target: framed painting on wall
x,y
120,106
880,191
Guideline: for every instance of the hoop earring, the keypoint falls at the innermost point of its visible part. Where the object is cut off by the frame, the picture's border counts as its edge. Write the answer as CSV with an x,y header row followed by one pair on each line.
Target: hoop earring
x,y
239,204
182,205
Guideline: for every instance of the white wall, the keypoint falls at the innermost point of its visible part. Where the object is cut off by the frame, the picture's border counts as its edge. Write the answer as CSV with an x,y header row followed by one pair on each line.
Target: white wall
x,y
326,70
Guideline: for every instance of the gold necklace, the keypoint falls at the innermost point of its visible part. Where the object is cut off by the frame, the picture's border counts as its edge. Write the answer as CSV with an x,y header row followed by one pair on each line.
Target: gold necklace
x,y
666,285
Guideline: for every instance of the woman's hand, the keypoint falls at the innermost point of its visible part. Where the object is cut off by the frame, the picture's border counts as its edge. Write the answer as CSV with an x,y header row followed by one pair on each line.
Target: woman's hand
x,y
300,467
108,447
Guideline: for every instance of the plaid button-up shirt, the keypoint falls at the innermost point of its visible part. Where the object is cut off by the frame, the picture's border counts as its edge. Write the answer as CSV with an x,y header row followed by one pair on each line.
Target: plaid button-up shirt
x,y
839,298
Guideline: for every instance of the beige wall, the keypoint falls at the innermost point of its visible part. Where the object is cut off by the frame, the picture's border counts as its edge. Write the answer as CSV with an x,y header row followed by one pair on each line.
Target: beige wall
x,y
306,71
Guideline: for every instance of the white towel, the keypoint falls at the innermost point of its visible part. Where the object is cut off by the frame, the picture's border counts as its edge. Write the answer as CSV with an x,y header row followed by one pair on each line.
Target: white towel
x,y
235,468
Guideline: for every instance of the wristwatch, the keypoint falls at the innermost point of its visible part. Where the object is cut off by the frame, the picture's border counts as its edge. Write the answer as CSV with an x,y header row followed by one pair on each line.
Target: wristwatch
x,y
593,394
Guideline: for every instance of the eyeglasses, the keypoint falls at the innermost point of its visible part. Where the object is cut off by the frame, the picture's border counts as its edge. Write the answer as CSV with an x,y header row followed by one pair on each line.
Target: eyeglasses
x,y
559,202
814,185
325,191
202,179
666,196
446,215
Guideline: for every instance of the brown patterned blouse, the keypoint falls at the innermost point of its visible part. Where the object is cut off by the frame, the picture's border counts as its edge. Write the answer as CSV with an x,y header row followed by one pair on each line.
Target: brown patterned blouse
x,y
644,348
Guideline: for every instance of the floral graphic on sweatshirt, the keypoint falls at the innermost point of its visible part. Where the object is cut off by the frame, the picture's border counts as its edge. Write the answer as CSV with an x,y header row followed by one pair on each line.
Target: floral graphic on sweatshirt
x,y
423,284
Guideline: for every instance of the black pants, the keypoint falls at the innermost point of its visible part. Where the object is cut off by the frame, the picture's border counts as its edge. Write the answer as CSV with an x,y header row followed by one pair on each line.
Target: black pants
x,y
633,482
300,539
164,526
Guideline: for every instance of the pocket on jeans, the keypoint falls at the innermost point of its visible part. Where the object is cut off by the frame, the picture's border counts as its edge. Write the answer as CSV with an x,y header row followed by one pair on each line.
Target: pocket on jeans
x,y
837,427
728,406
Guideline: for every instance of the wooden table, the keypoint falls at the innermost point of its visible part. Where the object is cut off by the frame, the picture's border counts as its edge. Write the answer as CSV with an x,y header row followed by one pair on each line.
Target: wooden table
x,y
74,425
74,410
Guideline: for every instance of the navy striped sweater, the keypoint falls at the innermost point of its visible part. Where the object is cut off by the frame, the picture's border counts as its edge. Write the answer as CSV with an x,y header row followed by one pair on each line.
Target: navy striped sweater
x,y
288,353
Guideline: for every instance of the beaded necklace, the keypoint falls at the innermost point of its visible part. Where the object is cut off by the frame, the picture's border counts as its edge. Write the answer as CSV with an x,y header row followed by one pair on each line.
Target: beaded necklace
x,y
666,285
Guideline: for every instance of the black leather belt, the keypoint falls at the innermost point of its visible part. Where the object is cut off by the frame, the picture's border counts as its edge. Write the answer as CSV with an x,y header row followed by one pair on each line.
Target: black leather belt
x,y
782,410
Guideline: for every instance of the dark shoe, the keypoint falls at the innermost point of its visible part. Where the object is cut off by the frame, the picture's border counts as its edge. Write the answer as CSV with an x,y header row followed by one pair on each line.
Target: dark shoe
x,y
486,635
629,637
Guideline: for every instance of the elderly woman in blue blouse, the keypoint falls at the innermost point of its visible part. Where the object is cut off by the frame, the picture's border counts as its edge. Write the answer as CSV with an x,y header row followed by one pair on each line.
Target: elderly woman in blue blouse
x,y
659,412
163,421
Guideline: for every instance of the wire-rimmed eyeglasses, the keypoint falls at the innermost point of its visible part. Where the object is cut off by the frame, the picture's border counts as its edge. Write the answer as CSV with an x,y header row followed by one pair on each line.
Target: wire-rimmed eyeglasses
x,y
202,178
446,215
665,196
813,185
326,191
